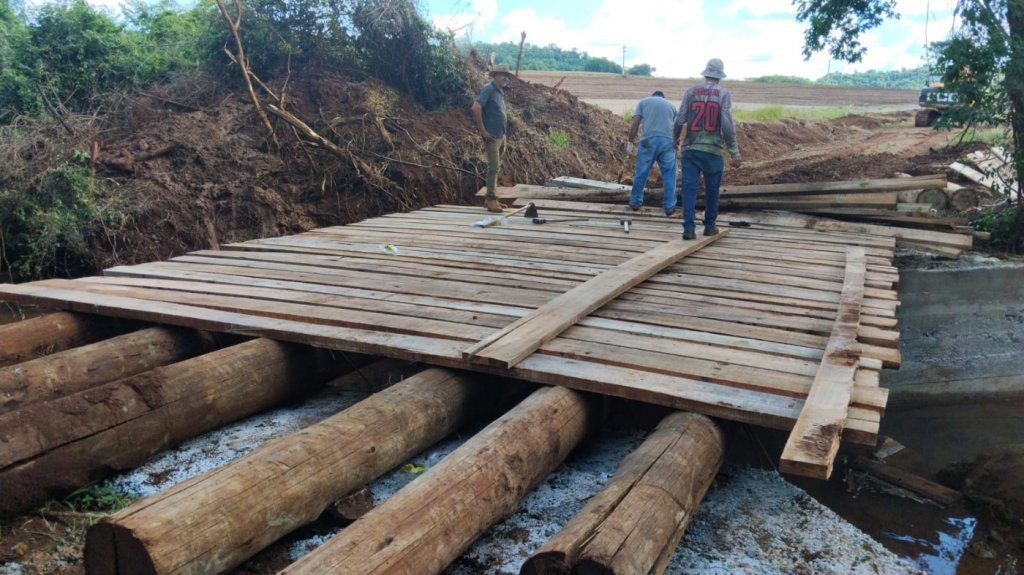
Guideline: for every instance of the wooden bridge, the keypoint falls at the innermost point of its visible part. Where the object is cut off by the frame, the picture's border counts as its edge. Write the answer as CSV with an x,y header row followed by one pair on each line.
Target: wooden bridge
x,y
772,323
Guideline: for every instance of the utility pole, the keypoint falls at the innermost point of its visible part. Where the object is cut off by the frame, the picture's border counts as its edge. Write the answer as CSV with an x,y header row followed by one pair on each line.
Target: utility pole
x,y
623,60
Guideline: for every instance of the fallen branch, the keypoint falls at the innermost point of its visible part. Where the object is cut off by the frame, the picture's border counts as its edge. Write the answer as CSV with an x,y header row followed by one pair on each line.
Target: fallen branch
x,y
239,58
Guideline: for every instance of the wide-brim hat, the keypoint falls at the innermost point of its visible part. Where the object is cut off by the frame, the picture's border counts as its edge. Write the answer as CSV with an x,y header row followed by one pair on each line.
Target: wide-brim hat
x,y
501,69
715,69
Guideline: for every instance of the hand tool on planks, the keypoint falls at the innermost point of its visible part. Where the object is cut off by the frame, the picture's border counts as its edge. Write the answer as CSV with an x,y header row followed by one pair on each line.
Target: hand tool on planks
x,y
625,225
530,209
547,221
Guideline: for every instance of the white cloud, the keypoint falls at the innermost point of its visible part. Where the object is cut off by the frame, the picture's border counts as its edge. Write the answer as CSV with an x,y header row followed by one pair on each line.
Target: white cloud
x,y
478,15
677,37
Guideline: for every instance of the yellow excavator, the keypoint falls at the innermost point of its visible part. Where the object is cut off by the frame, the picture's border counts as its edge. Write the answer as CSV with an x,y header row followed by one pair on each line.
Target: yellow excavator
x,y
933,100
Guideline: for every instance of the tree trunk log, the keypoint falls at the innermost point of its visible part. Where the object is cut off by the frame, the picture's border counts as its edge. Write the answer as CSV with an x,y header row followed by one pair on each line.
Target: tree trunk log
x,y
218,520
934,196
427,524
74,370
32,338
635,523
49,449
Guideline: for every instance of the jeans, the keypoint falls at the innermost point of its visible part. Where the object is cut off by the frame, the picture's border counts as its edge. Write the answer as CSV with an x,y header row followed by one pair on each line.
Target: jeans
x,y
655,149
495,149
693,163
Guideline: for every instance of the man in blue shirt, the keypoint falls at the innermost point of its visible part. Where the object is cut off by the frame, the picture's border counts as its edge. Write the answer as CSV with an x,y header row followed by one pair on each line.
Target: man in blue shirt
x,y
492,123
658,116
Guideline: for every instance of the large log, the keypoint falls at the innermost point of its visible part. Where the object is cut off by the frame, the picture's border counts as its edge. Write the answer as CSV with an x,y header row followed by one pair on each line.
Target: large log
x,y
218,520
635,523
427,524
74,370
48,449
38,336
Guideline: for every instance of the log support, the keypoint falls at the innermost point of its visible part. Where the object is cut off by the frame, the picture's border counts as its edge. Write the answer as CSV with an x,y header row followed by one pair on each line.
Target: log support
x,y
635,523
51,448
426,525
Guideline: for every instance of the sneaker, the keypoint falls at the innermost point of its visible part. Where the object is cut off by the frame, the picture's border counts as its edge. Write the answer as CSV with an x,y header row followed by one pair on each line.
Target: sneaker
x,y
712,231
634,208
670,212
689,235
493,205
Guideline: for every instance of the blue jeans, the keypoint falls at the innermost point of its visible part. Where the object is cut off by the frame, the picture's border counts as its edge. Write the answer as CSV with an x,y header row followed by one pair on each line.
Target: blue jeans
x,y
693,163
660,149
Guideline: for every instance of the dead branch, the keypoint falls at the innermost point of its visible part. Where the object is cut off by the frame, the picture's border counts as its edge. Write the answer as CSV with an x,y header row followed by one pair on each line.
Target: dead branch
x,y
173,102
233,25
53,111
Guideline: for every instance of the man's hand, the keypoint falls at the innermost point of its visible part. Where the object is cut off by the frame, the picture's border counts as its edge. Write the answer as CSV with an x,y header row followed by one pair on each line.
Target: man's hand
x,y
736,161
487,136
675,143
629,148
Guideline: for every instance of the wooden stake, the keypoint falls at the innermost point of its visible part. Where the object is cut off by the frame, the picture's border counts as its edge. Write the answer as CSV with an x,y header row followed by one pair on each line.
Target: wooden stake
x,y
427,524
218,520
74,370
635,523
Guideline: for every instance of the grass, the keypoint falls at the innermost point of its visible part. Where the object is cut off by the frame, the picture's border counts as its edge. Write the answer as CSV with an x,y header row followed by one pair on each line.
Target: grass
x,y
557,138
777,113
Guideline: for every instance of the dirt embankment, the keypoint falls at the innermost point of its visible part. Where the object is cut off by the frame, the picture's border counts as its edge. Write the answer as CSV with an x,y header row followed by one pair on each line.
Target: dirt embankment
x,y
190,166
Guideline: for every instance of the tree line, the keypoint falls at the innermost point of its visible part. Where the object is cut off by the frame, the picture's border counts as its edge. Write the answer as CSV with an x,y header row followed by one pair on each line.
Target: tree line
x,y
553,58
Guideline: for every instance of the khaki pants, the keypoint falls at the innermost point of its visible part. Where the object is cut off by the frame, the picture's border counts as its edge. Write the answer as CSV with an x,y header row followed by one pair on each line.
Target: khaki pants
x,y
495,150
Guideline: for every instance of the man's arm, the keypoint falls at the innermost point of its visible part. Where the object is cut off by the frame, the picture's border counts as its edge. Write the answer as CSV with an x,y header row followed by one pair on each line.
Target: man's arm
x,y
478,117
634,127
681,120
729,128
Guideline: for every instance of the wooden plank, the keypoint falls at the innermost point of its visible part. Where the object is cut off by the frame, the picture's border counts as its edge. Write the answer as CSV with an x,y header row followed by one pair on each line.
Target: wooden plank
x,y
814,440
846,186
510,345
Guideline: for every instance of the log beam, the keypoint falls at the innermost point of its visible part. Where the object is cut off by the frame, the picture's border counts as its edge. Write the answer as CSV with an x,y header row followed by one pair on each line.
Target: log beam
x,y
218,520
74,370
24,340
635,523
48,449
427,524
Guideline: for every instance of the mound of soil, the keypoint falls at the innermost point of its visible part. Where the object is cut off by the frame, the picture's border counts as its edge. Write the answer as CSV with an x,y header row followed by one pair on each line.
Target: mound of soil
x,y
196,165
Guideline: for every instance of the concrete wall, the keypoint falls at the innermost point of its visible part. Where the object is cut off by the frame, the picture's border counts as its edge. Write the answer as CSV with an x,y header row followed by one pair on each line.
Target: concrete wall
x,y
961,335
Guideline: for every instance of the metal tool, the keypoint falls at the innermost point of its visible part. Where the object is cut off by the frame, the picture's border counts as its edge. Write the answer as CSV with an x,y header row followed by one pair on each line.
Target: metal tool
x,y
547,221
625,225
527,208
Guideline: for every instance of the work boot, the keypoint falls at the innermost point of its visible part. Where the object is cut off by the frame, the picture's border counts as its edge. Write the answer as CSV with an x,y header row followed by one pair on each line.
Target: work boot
x,y
689,235
712,231
493,205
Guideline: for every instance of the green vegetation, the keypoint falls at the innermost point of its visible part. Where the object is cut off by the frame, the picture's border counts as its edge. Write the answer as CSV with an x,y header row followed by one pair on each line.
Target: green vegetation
x,y
557,138
982,64
552,57
913,79
98,498
1001,224
67,66
777,113
780,79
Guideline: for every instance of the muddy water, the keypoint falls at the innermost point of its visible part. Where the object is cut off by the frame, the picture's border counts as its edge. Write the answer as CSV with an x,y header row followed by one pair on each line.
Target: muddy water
x,y
936,539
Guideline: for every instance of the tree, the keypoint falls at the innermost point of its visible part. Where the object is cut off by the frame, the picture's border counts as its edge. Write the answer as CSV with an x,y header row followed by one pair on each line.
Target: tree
x,y
983,63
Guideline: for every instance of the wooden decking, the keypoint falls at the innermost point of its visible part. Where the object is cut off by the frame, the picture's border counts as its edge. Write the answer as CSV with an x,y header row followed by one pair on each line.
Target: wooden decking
x,y
738,329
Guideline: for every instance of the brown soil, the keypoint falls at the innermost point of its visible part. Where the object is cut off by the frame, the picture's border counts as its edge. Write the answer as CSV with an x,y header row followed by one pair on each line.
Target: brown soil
x,y
613,87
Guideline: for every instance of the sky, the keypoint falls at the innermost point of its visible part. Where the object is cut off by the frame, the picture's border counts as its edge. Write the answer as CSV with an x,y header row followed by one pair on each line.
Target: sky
x,y
677,37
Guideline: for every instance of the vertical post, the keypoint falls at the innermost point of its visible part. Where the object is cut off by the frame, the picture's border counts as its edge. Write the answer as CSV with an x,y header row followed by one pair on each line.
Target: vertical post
x,y
519,59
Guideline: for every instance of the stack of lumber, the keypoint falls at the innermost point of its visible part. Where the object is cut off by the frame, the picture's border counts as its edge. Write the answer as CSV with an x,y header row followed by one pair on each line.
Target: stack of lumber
x,y
739,328
902,203
993,171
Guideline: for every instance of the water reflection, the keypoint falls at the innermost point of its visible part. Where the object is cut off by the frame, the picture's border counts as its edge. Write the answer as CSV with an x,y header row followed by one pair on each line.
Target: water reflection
x,y
942,557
